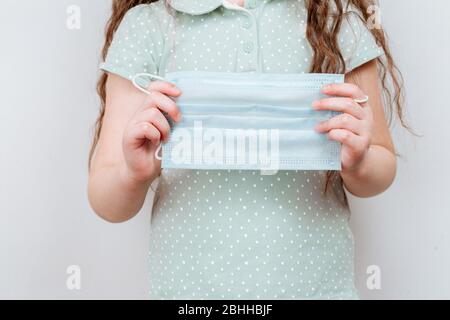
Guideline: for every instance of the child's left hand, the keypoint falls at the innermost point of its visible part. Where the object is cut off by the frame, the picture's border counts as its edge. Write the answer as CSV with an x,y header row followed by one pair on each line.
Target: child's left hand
x,y
353,128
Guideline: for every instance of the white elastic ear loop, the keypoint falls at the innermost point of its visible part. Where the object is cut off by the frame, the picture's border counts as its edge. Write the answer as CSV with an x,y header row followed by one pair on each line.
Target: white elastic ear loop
x,y
158,150
147,75
362,100
151,76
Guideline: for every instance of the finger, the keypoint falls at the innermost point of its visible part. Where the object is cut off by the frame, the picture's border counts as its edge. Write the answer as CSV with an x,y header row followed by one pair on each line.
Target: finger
x,y
166,88
157,119
343,121
164,103
348,90
347,138
151,133
344,105
144,131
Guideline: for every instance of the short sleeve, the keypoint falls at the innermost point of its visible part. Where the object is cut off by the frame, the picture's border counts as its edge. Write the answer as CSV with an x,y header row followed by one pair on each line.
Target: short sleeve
x,y
136,46
357,43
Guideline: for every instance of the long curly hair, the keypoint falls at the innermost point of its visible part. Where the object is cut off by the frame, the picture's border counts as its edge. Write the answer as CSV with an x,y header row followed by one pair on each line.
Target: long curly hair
x,y
325,18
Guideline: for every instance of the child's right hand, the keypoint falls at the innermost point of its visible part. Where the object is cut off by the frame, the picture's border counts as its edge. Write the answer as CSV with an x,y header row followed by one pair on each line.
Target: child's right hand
x,y
147,129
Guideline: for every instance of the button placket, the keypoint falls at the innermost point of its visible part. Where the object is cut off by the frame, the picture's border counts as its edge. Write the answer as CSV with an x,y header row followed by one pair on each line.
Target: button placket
x,y
250,42
249,39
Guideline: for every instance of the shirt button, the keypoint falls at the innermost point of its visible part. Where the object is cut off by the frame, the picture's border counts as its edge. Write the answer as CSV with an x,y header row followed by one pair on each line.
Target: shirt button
x,y
247,24
251,4
248,47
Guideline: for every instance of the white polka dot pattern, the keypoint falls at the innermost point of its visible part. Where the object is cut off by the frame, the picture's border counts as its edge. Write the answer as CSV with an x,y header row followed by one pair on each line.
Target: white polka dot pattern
x,y
238,234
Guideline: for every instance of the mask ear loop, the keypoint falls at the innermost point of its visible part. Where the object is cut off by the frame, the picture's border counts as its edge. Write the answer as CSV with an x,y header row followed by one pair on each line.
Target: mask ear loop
x,y
147,75
137,86
158,150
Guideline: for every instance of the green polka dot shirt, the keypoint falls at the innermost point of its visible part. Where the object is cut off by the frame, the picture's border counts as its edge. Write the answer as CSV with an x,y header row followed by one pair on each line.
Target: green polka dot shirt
x,y
240,234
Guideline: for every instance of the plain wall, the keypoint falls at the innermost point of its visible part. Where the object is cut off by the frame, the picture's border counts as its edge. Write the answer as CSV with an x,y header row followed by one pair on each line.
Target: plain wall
x,y
48,105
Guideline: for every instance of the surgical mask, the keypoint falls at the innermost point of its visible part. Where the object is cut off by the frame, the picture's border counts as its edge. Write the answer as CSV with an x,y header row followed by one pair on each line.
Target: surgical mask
x,y
248,121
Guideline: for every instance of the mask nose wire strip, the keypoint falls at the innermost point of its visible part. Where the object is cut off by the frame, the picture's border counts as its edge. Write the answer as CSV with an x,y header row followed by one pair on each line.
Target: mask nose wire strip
x,y
137,86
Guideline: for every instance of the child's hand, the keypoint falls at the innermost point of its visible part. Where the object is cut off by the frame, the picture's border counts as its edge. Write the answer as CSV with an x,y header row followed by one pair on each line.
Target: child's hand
x,y
147,129
353,128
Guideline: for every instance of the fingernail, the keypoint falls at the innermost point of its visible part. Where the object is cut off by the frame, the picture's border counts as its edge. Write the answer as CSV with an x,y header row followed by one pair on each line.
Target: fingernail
x,y
315,104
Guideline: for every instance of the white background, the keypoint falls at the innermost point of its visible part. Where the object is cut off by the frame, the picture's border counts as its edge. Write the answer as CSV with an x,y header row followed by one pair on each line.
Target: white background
x,y
48,105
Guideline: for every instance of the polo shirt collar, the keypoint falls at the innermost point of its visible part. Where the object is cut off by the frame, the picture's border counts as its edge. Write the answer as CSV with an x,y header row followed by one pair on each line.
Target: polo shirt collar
x,y
199,7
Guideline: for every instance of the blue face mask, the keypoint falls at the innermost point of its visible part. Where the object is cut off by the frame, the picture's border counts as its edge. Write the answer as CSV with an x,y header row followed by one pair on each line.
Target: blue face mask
x,y
249,121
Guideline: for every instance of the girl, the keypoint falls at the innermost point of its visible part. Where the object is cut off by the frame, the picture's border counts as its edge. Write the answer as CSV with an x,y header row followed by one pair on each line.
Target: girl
x,y
239,234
